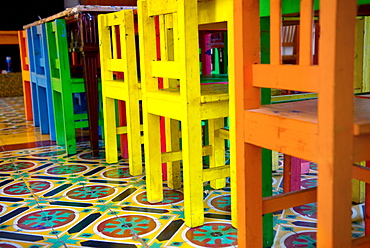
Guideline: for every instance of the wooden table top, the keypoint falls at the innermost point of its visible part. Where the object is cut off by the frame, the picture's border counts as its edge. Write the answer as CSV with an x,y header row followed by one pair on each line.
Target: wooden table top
x,y
79,9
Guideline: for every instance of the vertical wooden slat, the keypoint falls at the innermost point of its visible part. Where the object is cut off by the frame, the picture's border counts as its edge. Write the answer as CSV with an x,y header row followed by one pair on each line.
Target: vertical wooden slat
x,y
149,83
268,231
247,21
366,59
335,118
305,35
276,29
287,173
359,54
367,205
114,42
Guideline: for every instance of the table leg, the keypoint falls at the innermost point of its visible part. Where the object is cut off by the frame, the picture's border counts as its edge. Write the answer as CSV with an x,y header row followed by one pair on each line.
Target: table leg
x,y
90,62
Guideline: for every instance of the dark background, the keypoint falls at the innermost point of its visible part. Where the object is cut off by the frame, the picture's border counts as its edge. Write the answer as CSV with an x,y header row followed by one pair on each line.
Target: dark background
x,y
14,14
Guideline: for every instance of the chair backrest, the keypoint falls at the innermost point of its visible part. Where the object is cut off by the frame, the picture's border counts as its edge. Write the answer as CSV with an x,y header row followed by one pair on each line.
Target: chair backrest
x,y
23,48
38,53
178,26
117,46
58,50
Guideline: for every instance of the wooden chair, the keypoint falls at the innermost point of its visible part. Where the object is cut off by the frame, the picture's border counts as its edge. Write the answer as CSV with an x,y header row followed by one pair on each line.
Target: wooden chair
x,y
118,54
334,131
182,99
64,86
27,94
42,101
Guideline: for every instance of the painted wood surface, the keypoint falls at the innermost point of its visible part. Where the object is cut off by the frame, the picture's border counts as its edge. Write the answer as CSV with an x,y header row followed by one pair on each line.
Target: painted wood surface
x,y
9,38
179,51
118,55
27,94
43,112
329,132
64,85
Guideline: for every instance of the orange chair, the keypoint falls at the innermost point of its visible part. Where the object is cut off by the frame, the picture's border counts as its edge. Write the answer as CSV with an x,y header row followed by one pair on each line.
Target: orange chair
x,y
27,94
333,131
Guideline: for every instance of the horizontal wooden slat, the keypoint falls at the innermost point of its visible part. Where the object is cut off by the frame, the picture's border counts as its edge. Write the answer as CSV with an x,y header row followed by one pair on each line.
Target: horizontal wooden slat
x,y
81,124
78,117
8,37
216,173
283,201
213,26
214,98
282,134
166,69
123,129
115,18
215,11
213,110
361,129
160,7
293,77
361,173
171,156
177,155
164,108
223,133
282,98
116,65
79,87
363,242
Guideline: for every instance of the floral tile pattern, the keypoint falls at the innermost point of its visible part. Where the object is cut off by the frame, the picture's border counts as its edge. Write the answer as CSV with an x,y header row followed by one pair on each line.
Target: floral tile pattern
x,y
49,199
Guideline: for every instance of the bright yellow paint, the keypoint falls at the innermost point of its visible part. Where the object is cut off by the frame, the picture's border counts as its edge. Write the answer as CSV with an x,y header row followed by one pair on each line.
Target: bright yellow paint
x,y
127,90
180,60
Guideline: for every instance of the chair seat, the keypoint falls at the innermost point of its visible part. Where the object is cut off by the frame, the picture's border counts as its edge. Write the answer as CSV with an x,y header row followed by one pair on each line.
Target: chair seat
x,y
293,122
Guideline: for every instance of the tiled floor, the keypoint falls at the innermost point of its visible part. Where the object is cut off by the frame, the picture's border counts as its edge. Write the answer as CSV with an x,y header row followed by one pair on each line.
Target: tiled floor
x,y
49,199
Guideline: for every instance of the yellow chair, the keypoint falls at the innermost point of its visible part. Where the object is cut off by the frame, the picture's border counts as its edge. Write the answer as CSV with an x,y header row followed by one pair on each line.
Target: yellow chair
x,y
182,99
118,54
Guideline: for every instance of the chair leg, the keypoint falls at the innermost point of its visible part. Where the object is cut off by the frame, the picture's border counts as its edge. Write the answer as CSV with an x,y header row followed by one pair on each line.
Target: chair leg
x,y
69,127
51,120
193,170
217,158
173,144
134,136
111,154
153,158
296,174
27,100
43,111
123,122
35,105
249,181
59,118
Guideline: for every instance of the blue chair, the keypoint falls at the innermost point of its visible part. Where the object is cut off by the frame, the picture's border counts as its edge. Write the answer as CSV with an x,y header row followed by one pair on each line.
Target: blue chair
x,y
42,103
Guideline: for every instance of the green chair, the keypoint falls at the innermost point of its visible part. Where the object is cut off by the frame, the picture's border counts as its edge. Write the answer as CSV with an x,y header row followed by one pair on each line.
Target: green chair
x,y
65,87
